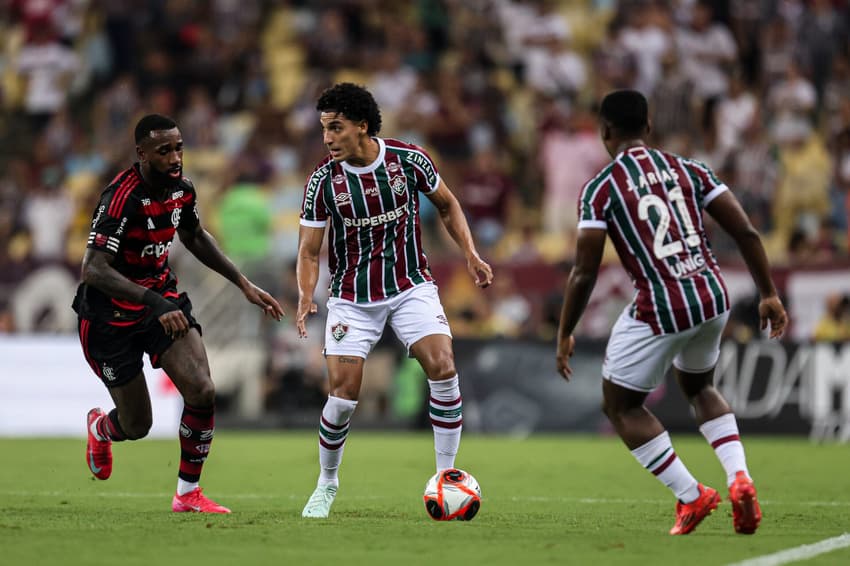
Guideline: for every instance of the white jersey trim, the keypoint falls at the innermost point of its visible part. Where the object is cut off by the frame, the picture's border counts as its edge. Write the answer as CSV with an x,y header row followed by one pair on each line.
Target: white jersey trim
x,y
436,186
593,224
382,151
716,192
314,223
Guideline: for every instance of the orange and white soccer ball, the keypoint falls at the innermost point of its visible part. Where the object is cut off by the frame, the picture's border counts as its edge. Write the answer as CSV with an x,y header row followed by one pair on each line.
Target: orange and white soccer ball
x,y
452,494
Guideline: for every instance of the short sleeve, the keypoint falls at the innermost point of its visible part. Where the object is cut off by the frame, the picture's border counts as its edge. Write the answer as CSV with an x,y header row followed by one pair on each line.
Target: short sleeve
x,y
314,213
593,204
710,186
427,175
109,223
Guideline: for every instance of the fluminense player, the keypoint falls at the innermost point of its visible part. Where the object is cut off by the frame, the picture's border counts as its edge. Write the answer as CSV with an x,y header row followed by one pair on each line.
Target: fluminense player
x,y
365,194
650,203
128,305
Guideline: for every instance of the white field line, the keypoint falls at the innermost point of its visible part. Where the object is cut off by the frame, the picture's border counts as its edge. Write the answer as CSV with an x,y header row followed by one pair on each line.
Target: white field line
x,y
803,552
530,498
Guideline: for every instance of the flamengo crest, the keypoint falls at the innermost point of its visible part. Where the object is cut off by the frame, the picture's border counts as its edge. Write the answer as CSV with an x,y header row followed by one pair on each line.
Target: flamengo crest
x,y
338,331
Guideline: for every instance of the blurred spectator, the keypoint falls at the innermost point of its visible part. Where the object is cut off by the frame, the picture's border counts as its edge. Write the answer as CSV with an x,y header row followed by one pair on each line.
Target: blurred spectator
x,y
47,215
735,114
510,311
834,326
486,193
802,194
48,66
569,156
7,319
671,101
706,49
821,31
197,119
755,166
646,36
552,68
791,103
615,66
842,179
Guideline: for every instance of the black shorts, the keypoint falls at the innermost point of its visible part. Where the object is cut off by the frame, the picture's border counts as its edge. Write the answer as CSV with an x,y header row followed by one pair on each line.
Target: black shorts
x,y
115,352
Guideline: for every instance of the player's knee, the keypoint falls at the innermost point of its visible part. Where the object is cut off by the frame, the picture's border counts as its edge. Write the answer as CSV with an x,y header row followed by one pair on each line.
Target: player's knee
x,y
202,394
347,391
694,390
441,366
137,428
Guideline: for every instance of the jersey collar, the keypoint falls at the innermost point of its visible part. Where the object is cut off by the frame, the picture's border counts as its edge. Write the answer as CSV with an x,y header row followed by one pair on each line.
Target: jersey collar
x,y
382,150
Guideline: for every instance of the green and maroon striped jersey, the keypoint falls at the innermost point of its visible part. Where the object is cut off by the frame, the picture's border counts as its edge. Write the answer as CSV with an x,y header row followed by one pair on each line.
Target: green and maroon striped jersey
x,y
374,241
650,202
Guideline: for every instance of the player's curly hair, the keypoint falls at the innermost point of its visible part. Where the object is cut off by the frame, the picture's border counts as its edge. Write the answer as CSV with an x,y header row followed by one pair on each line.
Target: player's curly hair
x,y
354,102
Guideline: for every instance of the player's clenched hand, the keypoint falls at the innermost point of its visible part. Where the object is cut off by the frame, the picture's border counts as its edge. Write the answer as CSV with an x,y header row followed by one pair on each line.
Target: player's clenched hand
x,y
263,300
305,307
175,324
565,352
771,311
480,270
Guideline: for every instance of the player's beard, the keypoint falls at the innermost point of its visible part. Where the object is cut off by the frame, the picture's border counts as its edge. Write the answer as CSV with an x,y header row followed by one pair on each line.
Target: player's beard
x,y
162,180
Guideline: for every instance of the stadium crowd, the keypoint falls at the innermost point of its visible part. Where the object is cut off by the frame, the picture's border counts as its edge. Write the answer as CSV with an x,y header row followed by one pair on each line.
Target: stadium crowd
x,y
501,92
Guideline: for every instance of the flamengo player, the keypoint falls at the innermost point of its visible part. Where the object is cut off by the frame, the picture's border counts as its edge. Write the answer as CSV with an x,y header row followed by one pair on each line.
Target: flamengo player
x,y
128,304
650,203
367,192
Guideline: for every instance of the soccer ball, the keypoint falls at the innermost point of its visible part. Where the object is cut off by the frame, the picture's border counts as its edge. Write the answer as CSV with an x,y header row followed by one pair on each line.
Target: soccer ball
x,y
452,494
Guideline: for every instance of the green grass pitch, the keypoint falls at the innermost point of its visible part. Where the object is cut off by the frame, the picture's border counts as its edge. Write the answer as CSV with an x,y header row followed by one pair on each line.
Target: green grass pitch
x,y
546,500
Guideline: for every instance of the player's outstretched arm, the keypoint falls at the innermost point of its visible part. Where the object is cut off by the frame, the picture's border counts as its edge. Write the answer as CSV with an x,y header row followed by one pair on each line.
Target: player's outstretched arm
x,y
98,272
455,222
307,273
727,211
589,249
204,247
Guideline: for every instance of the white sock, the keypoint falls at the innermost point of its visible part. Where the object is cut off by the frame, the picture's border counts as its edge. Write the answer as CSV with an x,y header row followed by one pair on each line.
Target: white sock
x,y
658,457
333,430
446,411
184,487
722,434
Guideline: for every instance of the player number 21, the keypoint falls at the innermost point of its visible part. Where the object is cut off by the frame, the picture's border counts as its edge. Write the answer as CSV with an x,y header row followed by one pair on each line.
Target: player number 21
x,y
675,195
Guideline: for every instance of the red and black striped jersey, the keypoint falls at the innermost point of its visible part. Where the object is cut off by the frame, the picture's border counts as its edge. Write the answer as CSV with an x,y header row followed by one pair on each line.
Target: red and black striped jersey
x,y
138,229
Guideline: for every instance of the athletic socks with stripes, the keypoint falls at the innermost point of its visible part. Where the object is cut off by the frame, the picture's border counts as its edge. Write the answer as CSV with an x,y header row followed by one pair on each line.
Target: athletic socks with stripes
x,y
722,434
445,409
333,430
658,457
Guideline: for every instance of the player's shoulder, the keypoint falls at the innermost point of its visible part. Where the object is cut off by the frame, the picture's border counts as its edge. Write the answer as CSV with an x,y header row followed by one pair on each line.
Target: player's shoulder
x,y
186,184
125,177
321,170
686,161
599,178
395,145
122,192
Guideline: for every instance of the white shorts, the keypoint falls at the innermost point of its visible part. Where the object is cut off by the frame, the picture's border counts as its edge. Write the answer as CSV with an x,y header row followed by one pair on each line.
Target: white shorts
x,y
353,329
638,359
